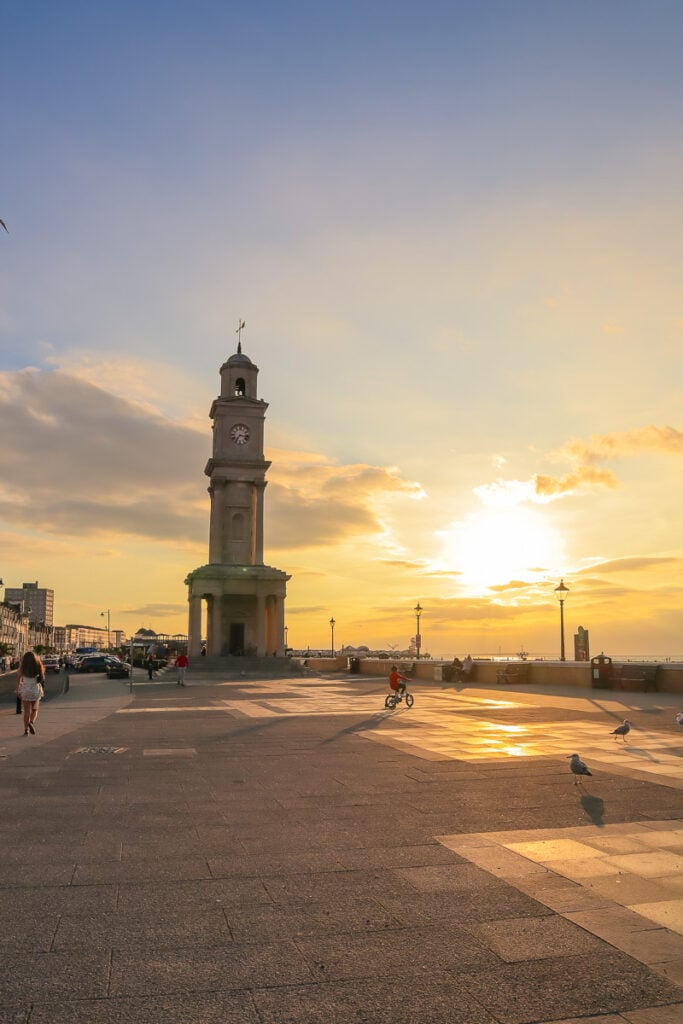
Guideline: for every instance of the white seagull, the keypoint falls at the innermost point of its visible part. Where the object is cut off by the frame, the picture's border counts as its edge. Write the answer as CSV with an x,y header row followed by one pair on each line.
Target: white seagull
x,y
578,768
622,730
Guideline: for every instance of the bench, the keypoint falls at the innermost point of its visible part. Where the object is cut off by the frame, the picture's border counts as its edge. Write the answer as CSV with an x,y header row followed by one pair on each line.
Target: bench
x,y
513,673
634,677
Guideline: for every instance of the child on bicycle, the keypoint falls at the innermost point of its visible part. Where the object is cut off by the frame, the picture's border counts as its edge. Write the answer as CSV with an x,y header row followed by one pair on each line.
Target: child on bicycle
x,y
397,681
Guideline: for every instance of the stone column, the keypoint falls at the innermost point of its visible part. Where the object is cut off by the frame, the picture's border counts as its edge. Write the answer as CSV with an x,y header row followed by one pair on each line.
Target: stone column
x,y
209,624
280,626
258,547
194,630
216,625
260,625
216,523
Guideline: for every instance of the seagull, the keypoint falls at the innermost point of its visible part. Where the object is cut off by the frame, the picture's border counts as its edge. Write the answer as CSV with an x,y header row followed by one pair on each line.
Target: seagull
x,y
622,730
578,768
4,226
679,719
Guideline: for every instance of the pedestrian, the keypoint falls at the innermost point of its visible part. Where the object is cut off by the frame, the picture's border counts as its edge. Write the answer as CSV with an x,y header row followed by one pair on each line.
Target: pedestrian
x,y
61,663
150,666
182,664
30,678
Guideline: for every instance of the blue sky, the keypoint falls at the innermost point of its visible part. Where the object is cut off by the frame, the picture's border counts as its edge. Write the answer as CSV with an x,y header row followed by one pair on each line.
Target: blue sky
x,y
454,231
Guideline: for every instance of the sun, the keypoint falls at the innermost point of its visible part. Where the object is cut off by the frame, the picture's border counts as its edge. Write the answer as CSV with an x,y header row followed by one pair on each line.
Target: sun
x,y
494,546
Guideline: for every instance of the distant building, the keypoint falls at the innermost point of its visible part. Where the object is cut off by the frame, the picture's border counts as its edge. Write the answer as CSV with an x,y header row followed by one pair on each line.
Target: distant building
x,y
37,601
13,628
84,636
18,633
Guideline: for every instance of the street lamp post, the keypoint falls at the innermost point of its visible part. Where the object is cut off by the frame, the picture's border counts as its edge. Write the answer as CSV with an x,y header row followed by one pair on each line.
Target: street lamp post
x,y
332,625
108,614
561,595
418,639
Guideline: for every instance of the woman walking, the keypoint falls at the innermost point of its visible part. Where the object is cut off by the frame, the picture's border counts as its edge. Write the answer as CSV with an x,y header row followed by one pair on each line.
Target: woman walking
x,y
30,688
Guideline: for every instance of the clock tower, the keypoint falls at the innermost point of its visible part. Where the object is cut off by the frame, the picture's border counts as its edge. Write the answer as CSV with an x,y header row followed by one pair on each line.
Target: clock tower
x,y
244,598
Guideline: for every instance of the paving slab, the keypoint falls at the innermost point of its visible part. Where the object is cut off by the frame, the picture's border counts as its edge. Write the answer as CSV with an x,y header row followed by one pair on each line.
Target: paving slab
x,y
527,992
140,929
195,970
197,1008
440,1000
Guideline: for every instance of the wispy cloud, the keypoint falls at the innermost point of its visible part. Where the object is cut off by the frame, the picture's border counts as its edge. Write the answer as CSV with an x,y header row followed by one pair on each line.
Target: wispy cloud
x,y
84,461
156,611
587,471
312,500
600,447
580,479
632,564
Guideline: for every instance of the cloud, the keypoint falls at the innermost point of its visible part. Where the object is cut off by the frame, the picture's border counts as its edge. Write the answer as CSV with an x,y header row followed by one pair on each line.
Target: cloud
x,y
150,384
313,501
632,564
586,455
600,447
510,585
147,517
582,477
85,462
156,611
586,472
72,437
404,563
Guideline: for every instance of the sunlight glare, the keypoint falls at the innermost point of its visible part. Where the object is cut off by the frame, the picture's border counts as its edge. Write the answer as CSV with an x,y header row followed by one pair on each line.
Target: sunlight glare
x,y
496,545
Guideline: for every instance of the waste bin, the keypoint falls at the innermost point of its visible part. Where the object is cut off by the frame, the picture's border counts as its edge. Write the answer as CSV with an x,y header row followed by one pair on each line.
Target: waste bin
x,y
354,665
601,671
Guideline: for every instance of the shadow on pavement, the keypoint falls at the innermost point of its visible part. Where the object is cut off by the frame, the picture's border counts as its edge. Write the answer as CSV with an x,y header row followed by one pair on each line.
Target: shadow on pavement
x,y
594,806
639,752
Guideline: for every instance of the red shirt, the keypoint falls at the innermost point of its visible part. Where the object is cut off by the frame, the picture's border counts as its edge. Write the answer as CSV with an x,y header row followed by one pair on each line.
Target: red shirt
x,y
181,661
394,680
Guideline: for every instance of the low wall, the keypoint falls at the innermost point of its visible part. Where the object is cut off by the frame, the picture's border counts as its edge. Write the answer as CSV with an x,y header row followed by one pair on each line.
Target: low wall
x,y
540,673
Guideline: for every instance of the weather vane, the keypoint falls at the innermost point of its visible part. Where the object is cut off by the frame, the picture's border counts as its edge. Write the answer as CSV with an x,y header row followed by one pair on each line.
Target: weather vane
x,y
240,326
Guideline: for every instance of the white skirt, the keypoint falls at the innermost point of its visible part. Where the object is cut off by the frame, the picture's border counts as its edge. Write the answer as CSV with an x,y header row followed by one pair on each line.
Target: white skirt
x,y
30,689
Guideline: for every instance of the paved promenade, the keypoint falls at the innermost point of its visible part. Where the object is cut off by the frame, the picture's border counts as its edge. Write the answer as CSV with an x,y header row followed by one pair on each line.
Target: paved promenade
x,y
279,851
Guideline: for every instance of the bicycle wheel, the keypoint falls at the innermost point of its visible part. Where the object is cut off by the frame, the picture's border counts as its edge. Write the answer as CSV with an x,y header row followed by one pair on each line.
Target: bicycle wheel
x,y
409,700
390,701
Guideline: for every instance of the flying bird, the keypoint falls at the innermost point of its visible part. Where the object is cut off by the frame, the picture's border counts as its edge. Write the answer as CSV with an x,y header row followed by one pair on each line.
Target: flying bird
x,y
578,768
679,719
622,730
4,226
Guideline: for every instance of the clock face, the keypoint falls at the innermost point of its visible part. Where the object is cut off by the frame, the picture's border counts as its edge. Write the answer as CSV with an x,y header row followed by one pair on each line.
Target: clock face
x,y
240,433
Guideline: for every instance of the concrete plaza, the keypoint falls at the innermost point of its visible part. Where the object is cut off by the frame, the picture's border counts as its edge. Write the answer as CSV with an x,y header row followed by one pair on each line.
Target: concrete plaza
x,y
281,851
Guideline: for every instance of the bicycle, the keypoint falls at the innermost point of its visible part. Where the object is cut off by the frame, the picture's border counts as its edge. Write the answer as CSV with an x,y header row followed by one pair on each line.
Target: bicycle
x,y
394,698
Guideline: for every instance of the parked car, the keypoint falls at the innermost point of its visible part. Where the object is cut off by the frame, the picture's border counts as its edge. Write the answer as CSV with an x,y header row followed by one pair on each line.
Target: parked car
x,y
50,663
118,669
96,663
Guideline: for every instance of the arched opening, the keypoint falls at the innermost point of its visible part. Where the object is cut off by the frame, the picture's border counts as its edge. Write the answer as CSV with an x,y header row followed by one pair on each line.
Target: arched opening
x,y
240,387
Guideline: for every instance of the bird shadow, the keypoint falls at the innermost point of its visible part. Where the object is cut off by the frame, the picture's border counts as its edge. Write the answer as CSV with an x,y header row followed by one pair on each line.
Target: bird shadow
x,y
639,752
594,807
